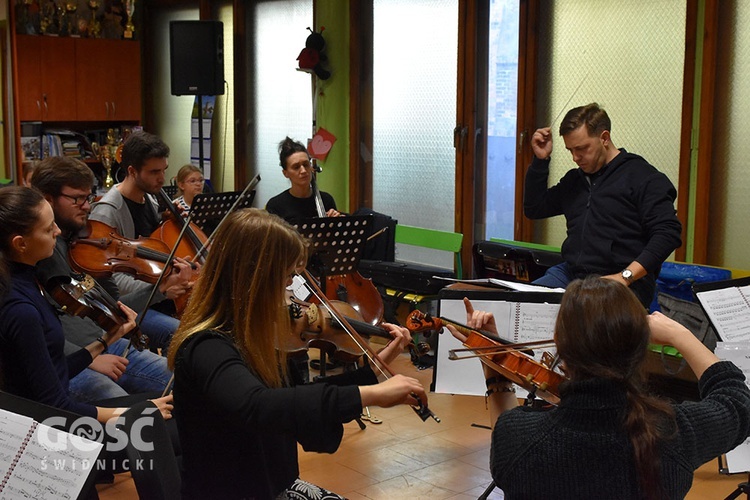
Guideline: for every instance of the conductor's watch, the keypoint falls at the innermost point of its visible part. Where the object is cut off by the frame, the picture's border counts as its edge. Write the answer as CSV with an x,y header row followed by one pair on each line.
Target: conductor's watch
x,y
627,275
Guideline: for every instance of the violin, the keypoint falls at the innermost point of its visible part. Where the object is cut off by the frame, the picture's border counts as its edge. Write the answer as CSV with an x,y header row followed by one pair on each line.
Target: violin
x,y
315,327
420,408
81,295
508,359
104,252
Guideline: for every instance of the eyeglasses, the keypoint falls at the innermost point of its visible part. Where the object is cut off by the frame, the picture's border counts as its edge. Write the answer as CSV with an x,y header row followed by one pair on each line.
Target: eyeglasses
x,y
195,181
81,199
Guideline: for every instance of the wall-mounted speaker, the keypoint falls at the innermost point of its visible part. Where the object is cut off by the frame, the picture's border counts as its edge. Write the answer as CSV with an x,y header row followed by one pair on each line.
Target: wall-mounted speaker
x,y
196,56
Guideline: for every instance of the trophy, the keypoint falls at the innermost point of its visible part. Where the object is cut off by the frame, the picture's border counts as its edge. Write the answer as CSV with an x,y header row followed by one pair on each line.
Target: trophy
x,y
107,155
70,9
95,27
129,27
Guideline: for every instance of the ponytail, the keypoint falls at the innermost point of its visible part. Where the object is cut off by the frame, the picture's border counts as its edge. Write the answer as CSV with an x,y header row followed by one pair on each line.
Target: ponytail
x,y
649,421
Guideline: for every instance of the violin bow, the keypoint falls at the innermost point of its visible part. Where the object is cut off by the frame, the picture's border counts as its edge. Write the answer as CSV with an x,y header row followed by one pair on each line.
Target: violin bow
x,y
158,282
420,409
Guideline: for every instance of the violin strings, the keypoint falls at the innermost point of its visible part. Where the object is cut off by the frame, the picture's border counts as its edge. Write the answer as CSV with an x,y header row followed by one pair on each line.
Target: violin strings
x,y
335,315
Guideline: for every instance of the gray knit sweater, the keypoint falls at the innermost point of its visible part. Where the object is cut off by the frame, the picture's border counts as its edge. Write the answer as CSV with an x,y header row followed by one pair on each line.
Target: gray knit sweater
x,y
580,449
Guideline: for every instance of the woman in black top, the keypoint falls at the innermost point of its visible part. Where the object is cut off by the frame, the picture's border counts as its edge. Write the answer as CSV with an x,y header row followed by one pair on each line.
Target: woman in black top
x,y
32,360
298,202
238,414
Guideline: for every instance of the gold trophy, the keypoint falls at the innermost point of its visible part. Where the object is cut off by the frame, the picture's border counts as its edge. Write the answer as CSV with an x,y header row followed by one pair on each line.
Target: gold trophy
x,y
106,154
129,27
95,27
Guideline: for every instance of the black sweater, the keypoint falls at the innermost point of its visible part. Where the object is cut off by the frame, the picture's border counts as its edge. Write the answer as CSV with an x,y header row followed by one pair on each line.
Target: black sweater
x,y
239,437
290,207
34,365
626,214
580,449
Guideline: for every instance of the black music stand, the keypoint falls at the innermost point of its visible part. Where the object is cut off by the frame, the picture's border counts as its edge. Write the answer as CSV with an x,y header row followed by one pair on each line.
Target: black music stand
x,y
337,243
208,209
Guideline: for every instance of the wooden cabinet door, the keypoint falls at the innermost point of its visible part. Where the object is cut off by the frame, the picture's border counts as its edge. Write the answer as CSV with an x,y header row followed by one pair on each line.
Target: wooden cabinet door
x,y
58,70
127,85
96,61
28,65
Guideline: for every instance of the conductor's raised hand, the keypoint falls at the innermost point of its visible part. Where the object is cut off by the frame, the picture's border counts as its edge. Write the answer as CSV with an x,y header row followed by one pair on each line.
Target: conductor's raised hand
x,y
397,390
541,143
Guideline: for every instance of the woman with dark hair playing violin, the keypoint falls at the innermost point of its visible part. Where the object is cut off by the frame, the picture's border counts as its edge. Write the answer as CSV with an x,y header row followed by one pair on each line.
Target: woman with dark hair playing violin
x,y
33,363
238,412
298,202
609,438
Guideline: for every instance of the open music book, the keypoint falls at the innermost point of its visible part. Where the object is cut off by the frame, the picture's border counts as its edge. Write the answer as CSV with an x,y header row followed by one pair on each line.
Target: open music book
x,y
728,308
41,462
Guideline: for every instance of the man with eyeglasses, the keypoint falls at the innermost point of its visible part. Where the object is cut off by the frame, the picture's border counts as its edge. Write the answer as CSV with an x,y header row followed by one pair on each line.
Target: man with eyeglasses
x,y
66,184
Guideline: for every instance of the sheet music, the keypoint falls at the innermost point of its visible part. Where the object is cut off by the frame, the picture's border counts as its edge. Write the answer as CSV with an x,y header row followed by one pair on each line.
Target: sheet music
x,y
536,322
738,459
14,427
53,464
729,312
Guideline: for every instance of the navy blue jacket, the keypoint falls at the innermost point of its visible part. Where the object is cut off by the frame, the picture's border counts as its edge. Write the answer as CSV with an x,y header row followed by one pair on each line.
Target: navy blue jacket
x,y
626,214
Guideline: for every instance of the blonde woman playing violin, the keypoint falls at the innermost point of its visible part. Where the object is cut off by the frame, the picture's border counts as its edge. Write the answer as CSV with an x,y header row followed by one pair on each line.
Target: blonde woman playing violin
x,y
238,411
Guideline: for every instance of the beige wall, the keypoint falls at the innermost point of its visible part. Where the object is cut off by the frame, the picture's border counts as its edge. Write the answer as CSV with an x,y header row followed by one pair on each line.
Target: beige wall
x,y
730,191
627,56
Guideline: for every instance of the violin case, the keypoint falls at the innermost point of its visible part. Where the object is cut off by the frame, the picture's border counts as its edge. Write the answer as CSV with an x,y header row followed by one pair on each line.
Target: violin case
x,y
511,262
405,276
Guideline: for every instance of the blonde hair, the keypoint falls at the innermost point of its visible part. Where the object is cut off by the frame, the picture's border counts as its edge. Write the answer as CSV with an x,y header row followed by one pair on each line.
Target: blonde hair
x,y
184,173
240,291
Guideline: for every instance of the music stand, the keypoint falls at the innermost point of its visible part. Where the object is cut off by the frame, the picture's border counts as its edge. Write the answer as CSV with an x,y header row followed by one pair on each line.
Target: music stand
x,y
337,245
337,242
208,209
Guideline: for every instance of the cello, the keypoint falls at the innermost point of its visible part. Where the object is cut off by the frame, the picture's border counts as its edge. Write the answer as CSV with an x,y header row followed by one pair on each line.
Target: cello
x,y
352,288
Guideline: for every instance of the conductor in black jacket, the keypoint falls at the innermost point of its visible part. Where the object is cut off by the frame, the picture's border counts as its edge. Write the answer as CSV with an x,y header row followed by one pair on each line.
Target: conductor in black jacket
x,y
619,209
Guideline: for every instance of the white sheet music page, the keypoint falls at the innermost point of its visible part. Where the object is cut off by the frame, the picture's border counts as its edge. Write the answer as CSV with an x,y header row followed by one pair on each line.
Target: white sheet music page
x,y
729,312
54,465
738,460
14,427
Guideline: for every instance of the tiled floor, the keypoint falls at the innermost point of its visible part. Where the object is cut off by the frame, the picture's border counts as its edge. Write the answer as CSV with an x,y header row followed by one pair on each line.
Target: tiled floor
x,y
404,457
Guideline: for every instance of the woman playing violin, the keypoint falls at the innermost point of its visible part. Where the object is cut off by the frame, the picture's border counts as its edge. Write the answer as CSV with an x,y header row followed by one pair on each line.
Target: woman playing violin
x,y
238,412
33,363
298,202
609,438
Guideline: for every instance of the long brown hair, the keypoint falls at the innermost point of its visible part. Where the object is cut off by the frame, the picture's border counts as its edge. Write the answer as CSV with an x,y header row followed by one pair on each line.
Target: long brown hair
x,y
241,287
602,331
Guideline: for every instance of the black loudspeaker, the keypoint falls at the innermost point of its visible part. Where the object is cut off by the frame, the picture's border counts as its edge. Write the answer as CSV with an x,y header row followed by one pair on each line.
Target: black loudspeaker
x,y
196,55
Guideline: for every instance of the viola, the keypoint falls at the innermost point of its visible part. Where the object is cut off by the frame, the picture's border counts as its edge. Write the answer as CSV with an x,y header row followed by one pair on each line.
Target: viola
x,y
104,252
82,296
189,247
506,358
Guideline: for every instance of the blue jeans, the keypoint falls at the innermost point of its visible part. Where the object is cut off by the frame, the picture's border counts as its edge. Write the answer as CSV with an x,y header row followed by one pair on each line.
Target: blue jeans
x,y
159,328
558,276
146,372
